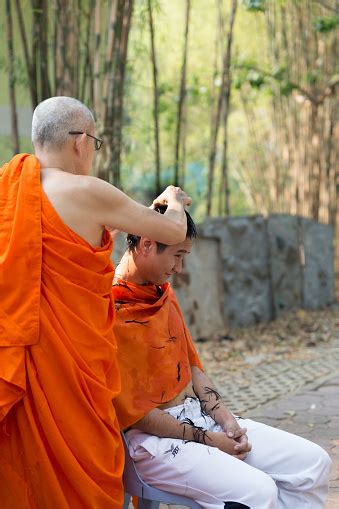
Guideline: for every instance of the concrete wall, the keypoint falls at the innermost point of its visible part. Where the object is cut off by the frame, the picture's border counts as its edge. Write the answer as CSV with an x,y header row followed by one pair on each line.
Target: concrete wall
x,y
302,263
244,270
319,266
286,270
272,265
119,248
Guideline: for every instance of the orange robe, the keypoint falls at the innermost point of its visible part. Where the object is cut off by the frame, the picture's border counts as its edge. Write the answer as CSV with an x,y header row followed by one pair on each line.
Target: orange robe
x,y
155,349
60,443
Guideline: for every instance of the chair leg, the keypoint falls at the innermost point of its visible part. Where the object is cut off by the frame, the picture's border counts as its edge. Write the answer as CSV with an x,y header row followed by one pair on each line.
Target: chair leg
x,y
143,503
127,499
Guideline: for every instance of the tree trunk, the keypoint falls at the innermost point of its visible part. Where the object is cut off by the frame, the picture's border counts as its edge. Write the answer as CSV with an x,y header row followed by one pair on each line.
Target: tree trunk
x,y
215,128
155,102
97,38
182,96
66,49
109,61
35,48
183,148
86,64
28,59
118,96
227,95
11,79
110,101
42,22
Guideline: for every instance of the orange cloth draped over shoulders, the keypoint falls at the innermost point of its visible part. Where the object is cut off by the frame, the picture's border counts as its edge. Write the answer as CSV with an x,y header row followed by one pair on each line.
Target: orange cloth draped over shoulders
x,y
155,349
60,443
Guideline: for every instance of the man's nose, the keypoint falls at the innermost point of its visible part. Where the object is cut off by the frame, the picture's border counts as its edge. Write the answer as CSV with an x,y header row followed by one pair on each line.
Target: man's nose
x,y
177,266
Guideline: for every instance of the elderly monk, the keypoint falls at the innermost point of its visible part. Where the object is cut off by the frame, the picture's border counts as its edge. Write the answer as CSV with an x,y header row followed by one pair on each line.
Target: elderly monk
x,y
60,443
180,434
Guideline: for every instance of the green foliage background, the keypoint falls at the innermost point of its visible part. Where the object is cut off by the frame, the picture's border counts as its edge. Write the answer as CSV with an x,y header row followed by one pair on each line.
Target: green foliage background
x,y
249,50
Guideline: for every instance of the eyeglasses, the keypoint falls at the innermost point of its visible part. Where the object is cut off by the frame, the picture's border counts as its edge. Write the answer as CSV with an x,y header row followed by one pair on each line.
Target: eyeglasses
x,y
97,142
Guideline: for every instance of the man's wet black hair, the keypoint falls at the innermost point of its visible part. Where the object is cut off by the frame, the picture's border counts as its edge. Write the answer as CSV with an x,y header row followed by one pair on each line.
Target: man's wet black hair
x,y
133,240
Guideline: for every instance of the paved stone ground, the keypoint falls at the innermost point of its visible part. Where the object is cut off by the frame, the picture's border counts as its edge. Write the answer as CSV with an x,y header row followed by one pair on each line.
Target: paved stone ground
x,y
298,396
248,389
312,412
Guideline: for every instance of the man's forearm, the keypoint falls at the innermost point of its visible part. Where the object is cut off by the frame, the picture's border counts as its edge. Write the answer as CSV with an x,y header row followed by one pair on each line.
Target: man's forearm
x,y
160,423
210,399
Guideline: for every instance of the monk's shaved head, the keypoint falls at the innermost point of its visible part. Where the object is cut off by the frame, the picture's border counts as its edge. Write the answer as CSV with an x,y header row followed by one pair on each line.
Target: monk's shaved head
x,y
55,117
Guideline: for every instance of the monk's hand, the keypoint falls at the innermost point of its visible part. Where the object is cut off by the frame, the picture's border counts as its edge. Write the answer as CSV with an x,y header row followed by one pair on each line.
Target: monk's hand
x,y
171,194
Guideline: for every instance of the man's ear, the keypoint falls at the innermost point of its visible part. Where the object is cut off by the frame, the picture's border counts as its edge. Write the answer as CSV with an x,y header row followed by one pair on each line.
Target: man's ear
x,y
146,245
79,144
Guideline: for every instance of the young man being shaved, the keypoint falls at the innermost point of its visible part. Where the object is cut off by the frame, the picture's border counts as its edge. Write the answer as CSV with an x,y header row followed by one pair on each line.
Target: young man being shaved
x,y
181,435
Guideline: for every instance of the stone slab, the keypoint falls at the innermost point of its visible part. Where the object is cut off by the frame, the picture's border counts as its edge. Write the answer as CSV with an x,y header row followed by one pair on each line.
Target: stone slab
x,y
318,288
246,276
286,272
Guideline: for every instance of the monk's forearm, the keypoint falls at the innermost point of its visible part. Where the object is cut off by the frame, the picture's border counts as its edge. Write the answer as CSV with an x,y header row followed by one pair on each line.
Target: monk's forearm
x,y
160,423
176,213
210,399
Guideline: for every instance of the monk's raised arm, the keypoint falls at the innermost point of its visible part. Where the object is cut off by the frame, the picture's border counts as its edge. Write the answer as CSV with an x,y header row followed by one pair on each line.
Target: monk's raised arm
x,y
111,207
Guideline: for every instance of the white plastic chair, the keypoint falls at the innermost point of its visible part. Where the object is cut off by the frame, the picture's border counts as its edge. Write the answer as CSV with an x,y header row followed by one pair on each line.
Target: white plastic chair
x,y
148,496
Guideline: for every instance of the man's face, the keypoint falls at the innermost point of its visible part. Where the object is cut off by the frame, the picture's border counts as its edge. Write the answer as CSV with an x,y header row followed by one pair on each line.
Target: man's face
x,y
160,266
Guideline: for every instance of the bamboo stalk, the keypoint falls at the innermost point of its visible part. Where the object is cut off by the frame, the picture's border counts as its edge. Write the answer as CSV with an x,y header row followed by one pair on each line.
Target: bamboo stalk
x,y
226,101
86,60
107,79
118,100
182,95
28,62
11,79
183,148
155,101
35,49
97,38
43,47
215,128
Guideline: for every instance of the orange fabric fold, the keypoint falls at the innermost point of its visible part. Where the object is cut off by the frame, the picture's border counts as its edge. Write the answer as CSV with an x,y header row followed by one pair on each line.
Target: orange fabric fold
x,y
60,439
20,250
20,273
155,349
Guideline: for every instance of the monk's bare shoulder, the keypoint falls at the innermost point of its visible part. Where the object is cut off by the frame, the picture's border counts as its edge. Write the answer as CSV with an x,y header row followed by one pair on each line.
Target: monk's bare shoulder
x,y
74,197
84,190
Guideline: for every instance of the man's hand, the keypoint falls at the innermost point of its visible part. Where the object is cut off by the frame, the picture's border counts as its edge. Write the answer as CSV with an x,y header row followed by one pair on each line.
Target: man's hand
x,y
243,446
228,445
173,193
232,429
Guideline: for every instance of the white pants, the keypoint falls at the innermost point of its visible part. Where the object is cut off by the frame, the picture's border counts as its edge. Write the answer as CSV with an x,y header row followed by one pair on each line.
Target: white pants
x,y
282,471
